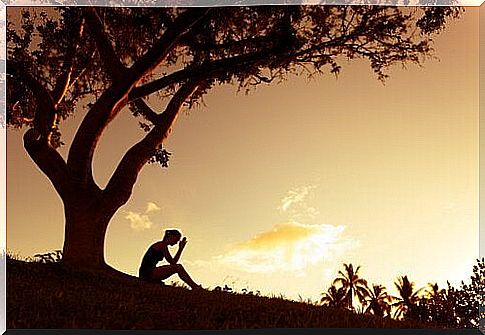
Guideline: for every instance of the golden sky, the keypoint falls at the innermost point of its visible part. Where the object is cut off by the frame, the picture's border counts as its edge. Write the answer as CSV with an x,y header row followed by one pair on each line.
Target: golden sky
x,y
276,189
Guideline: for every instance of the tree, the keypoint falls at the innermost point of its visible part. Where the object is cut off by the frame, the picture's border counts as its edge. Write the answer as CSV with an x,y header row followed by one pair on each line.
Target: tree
x,y
435,303
334,297
352,284
437,306
469,302
433,291
378,301
455,307
407,300
110,60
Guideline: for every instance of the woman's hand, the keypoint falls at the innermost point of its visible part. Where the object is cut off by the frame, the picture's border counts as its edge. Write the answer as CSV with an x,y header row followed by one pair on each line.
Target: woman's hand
x,y
183,242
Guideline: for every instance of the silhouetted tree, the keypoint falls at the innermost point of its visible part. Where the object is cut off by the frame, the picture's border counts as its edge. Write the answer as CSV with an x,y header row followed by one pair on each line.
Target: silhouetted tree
x,y
469,299
433,291
435,306
406,302
104,60
455,307
334,297
435,301
377,300
352,284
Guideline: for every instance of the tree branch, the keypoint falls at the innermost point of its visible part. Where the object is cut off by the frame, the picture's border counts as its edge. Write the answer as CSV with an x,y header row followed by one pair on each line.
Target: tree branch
x,y
36,140
79,160
145,110
83,68
153,57
81,153
45,113
242,44
214,68
121,184
63,82
204,71
111,60
48,160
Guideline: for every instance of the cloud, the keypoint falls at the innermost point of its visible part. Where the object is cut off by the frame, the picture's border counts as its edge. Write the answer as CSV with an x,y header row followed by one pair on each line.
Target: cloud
x,y
152,207
141,221
295,246
295,204
138,221
288,247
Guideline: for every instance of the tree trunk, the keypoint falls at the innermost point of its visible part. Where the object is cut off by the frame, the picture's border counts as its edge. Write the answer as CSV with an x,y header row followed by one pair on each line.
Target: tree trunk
x,y
88,209
86,223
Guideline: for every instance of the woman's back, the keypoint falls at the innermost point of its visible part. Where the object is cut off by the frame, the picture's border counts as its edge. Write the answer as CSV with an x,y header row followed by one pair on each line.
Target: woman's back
x,y
152,256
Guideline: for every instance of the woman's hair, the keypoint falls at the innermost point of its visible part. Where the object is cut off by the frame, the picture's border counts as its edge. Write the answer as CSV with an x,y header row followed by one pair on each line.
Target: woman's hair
x,y
172,232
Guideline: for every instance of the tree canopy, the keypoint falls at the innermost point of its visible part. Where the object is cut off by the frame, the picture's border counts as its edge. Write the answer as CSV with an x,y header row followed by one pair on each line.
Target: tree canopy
x,y
51,51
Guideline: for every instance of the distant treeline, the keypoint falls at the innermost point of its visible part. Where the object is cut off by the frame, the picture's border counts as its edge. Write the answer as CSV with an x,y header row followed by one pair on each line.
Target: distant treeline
x,y
450,307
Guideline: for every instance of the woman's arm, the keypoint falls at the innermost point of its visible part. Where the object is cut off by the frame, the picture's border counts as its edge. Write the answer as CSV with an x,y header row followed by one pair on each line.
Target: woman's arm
x,y
174,260
167,255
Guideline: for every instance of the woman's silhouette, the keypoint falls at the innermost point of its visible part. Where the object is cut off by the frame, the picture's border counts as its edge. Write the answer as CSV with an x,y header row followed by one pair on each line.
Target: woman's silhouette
x,y
159,250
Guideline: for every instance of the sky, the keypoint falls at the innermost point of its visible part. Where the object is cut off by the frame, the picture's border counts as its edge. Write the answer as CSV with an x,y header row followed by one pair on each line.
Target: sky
x,y
275,190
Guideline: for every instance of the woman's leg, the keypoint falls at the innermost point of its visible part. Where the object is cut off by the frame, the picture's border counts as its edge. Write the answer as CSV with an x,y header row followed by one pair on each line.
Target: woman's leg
x,y
165,271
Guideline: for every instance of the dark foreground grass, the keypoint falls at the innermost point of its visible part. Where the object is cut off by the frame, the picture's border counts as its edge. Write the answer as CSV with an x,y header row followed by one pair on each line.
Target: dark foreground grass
x,y
52,296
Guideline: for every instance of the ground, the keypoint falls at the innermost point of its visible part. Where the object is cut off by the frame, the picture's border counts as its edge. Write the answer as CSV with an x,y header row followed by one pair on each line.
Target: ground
x,y
52,296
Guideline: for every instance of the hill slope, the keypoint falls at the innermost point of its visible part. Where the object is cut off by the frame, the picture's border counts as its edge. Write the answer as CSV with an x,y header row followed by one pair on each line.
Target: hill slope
x,y
51,296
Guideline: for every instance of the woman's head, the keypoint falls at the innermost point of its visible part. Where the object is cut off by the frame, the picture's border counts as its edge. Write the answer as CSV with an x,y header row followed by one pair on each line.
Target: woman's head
x,y
172,236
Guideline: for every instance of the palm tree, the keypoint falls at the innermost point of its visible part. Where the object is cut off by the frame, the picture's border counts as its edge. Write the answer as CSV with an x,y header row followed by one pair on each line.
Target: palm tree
x,y
378,301
433,292
334,297
352,284
440,304
406,302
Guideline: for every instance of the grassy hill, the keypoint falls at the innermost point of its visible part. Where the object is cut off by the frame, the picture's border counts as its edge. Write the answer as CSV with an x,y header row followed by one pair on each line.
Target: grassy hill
x,y
52,296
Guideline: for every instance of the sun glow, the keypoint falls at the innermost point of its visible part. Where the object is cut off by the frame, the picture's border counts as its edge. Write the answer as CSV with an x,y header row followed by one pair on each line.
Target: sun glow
x,y
293,246
288,247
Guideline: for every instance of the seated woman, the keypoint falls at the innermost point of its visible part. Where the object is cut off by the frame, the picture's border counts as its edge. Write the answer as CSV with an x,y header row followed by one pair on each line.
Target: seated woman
x,y
159,250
